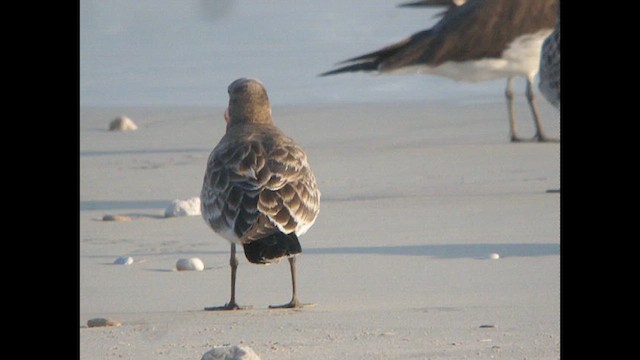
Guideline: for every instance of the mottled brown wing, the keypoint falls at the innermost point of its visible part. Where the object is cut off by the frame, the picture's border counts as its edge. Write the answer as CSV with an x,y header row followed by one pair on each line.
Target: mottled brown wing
x,y
290,199
231,188
255,188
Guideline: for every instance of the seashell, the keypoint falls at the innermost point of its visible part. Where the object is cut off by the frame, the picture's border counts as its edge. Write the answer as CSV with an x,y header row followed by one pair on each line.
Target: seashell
x,y
122,123
124,260
232,352
100,322
191,264
189,207
110,217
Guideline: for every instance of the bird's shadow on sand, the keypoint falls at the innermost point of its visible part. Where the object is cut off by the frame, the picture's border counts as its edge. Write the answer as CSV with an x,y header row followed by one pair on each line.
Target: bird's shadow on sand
x,y
143,151
123,204
446,251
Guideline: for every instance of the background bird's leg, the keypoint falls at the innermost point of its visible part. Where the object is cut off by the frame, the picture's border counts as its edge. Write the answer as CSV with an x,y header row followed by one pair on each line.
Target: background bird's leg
x,y
508,93
540,136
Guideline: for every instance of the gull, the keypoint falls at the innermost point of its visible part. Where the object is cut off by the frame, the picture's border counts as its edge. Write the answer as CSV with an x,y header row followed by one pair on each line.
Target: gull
x,y
475,40
258,191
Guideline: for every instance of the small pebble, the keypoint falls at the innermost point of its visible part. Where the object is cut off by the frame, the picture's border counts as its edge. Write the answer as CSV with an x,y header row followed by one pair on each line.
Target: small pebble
x,y
116,218
100,322
124,260
191,264
189,207
233,352
122,123
494,256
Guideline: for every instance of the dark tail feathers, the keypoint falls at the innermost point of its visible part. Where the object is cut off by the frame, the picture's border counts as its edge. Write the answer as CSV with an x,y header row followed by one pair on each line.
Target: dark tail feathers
x,y
365,66
272,248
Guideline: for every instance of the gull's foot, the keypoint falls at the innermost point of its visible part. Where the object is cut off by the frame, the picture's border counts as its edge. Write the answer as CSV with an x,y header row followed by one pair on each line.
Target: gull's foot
x,y
543,138
516,139
536,138
293,304
227,307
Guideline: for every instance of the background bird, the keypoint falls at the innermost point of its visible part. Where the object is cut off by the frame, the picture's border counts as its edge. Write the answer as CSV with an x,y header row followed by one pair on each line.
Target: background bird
x,y
258,191
476,41
550,67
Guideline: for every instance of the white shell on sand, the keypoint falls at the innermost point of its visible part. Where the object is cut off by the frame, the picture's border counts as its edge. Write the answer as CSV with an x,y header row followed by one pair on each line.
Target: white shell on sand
x,y
122,123
189,207
494,256
124,260
191,264
233,352
99,322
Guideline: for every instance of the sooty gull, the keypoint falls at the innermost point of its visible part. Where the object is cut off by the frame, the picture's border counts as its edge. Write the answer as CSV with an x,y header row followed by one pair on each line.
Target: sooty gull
x,y
258,191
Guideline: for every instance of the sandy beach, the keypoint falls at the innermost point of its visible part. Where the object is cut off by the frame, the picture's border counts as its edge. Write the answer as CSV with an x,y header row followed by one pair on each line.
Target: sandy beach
x,y
415,199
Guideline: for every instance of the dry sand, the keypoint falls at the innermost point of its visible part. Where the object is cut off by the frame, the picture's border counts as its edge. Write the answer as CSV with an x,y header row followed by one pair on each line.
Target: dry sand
x,y
415,199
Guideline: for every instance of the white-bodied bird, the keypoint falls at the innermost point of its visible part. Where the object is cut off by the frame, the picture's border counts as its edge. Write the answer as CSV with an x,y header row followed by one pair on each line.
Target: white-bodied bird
x,y
475,40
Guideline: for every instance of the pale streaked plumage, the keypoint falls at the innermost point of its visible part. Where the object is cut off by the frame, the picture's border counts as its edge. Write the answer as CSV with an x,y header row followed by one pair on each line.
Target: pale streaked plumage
x,y
258,189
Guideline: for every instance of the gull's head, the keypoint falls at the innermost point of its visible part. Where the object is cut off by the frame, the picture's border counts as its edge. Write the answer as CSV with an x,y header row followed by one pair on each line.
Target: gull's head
x,y
248,102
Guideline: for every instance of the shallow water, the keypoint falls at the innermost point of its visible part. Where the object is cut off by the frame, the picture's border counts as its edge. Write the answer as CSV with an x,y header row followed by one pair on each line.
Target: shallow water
x,y
186,52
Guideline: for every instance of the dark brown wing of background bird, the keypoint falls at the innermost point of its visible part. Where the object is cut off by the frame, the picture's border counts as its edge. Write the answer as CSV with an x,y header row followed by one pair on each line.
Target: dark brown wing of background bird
x,y
461,35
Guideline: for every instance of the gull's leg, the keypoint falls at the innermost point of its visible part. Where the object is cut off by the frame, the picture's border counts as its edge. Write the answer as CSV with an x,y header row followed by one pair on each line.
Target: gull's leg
x,y
231,305
294,303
